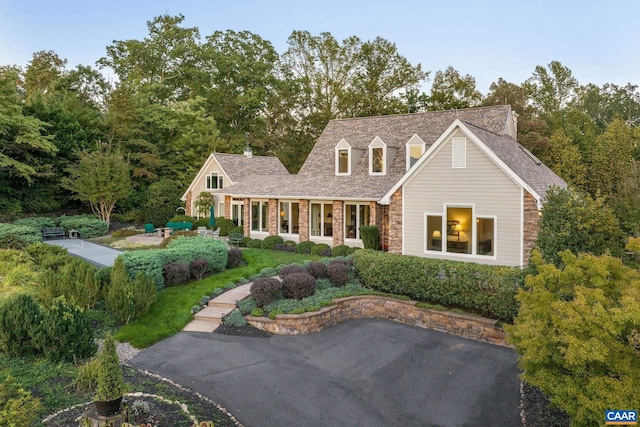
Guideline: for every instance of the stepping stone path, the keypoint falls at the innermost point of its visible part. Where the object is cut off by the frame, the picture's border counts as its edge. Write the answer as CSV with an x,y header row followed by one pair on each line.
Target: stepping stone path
x,y
209,318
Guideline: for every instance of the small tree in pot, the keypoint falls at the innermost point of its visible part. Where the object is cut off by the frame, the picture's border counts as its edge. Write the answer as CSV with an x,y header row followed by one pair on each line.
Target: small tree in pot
x,y
110,382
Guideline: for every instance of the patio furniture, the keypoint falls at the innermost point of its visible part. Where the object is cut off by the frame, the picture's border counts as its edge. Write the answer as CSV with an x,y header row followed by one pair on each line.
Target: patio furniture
x,y
183,225
149,229
235,238
215,233
202,231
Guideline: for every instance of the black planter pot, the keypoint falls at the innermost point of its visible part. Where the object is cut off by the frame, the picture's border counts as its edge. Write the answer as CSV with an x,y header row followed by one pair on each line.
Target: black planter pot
x,y
106,409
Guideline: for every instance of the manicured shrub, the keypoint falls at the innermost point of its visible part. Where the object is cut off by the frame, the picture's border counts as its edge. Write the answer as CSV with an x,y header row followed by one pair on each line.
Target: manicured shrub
x,y
268,272
20,317
12,241
234,257
199,267
204,300
484,289
317,269
322,284
226,225
202,222
284,247
245,242
235,318
17,406
257,312
305,247
110,377
37,223
183,218
239,229
78,283
103,276
338,273
321,249
177,235
65,333
254,244
246,305
270,241
49,257
265,289
291,268
176,273
340,250
298,285
128,299
370,236
23,232
194,309
229,285
88,226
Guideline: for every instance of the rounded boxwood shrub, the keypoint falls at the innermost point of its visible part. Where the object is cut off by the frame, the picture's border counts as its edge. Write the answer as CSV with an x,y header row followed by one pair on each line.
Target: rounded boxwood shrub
x,y
291,268
317,269
305,247
283,247
235,318
234,257
338,273
87,225
176,273
245,242
254,244
321,249
226,225
340,250
265,290
271,241
20,316
239,229
298,285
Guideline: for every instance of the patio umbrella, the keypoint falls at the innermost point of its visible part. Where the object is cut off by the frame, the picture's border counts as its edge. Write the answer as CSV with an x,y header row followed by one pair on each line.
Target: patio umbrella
x,y
212,217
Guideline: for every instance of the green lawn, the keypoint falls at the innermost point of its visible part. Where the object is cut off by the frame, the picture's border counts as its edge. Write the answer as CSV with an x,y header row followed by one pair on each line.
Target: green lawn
x,y
170,314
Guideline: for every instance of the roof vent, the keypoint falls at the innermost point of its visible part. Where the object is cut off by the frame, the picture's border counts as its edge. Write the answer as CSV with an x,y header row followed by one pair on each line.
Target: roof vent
x,y
247,151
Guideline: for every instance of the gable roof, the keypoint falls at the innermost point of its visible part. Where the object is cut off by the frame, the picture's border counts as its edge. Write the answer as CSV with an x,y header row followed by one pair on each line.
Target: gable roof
x,y
515,160
237,166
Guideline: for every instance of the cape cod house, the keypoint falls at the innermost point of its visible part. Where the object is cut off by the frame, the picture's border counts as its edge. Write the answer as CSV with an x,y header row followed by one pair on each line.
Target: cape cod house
x,y
448,184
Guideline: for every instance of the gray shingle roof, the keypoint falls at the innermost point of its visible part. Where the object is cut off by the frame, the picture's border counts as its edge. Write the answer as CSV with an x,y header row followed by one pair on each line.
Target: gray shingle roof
x,y
317,180
531,170
236,166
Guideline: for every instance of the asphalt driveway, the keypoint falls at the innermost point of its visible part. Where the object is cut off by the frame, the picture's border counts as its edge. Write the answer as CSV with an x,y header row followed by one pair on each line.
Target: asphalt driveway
x,y
364,372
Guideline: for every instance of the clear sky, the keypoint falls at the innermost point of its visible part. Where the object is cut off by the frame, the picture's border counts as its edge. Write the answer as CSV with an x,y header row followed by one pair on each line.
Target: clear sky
x,y
599,40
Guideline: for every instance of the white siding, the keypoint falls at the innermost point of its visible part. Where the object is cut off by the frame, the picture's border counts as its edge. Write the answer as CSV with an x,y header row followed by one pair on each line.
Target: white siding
x,y
481,185
201,185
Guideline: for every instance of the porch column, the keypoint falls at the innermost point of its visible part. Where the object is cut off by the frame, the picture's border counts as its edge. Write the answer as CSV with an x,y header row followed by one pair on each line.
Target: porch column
x,y
395,222
246,217
227,206
338,222
304,220
274,213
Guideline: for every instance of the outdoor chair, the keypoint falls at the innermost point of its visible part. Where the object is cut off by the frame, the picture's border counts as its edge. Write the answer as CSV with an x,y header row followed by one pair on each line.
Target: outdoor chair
x,y
215,233
235,238
202,231
149,229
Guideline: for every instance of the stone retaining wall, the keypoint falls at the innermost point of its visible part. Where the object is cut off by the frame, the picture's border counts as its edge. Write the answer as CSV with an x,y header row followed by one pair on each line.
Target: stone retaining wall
x,y
367,306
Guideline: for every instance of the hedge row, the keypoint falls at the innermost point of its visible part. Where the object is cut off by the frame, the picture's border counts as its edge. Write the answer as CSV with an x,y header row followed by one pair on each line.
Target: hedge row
x,y
483,289
183,249
30,229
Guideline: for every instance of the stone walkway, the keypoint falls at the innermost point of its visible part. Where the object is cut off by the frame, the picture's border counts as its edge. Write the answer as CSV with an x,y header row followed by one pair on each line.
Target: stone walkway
x,y
98,255
209,318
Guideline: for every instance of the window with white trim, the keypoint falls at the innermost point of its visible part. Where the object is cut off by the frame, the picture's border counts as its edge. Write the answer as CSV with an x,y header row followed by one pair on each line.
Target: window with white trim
x,y
459,152
289,217
485,236
355,216
259,215
459,231
377,157
434,232
415,150
343,158
214,181
321,219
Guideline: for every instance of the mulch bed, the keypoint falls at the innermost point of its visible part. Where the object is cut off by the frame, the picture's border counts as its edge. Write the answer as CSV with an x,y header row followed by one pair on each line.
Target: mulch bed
x,y
537,410
244,331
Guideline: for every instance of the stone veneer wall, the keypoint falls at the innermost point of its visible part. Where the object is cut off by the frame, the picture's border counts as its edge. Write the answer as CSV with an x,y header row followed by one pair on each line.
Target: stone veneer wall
x,y
246,217
227,206
395,222
274,214
531,226
188,204
303,208
368,306
338,222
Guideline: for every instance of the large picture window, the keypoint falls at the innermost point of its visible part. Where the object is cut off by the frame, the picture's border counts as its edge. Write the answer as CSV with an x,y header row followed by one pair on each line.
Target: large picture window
x,y
289,217
459,231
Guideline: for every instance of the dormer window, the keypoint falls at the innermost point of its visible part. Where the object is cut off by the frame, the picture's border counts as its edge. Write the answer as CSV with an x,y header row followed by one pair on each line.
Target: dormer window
x,y
343,158
377,157
415,150
214,181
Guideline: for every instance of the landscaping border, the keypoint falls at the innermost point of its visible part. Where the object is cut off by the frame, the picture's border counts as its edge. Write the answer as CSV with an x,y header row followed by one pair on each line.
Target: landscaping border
x,y
372,306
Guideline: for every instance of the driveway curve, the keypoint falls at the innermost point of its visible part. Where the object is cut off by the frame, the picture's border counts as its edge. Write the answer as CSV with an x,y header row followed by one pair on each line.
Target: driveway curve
x,y
365,372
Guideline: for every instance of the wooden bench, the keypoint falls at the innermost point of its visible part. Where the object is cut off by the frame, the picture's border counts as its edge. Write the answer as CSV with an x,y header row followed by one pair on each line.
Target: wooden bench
x,y
52,232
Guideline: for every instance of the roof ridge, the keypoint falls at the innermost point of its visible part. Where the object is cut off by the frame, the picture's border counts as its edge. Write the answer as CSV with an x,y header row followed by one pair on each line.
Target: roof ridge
x,y
485,107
